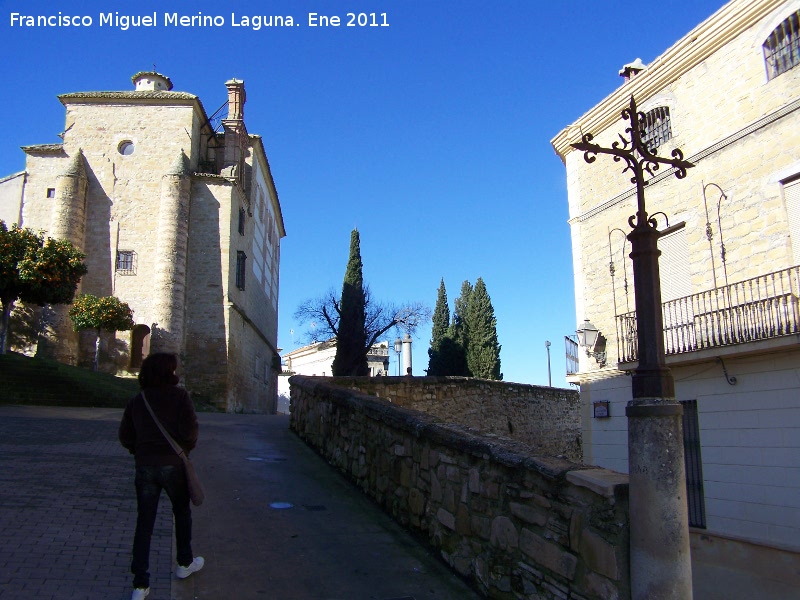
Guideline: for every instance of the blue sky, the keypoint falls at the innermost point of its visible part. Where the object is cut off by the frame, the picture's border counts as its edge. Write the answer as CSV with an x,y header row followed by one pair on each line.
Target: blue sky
x,y
431,136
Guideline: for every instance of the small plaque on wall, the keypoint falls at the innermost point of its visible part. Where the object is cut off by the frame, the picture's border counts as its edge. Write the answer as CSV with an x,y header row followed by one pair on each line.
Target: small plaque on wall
x,y
601,410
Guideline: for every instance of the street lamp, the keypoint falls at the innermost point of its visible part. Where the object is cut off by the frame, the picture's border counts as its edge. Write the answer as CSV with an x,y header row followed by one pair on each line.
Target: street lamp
x,y
588,335
549,380
660,554
398,346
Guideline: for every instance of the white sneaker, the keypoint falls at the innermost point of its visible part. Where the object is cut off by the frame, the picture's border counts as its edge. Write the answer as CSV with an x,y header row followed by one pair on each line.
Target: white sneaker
x,y
184,572
140,593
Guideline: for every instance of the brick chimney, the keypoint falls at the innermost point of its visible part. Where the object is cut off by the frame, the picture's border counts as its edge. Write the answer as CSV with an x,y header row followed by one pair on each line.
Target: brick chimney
x,y
236,98
236,139
632,69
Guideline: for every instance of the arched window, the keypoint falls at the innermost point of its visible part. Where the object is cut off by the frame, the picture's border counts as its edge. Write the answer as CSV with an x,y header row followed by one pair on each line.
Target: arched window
x,y
782,47
657,127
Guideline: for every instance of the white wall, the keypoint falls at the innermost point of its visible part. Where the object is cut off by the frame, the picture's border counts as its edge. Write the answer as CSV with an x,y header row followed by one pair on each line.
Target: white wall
x,y
749,437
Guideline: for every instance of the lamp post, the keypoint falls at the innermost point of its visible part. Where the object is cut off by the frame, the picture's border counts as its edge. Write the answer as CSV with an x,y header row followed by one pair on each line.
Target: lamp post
x,y
660,557
549,379
398,346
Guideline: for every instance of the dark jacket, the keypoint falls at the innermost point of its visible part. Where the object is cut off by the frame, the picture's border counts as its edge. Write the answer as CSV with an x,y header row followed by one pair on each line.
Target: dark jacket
x,y
141,436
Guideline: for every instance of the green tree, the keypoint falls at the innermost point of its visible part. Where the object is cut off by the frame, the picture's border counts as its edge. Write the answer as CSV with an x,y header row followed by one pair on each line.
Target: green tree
x,y
458,335
36,270
441,324
102,314
351,342
483,350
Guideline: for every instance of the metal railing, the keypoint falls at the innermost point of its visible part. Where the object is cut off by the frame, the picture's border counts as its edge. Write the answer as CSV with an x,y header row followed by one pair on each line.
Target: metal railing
x,y
761,308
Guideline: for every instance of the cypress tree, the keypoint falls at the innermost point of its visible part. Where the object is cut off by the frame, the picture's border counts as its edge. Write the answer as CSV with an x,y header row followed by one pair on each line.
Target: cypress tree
x,y
455,348
351,341
441,323
483,350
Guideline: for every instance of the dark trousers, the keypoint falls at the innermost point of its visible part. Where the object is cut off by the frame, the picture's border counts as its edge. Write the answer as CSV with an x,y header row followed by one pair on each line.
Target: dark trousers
x,y
149,483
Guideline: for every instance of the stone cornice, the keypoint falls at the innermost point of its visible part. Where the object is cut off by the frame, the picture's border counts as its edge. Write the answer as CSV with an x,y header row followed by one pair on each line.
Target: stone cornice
x,y
696,46
129,95
133,97
43,149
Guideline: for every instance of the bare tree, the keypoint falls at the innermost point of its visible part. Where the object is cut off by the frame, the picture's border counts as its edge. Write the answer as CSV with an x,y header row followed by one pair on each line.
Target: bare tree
x,y
323,314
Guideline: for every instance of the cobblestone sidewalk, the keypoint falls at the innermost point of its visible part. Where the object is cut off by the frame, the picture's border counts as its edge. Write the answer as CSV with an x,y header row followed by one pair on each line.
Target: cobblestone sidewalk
x,y
68,508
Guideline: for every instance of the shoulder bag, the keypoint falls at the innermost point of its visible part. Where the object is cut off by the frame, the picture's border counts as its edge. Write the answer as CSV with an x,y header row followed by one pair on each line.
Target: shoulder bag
x,y
196,493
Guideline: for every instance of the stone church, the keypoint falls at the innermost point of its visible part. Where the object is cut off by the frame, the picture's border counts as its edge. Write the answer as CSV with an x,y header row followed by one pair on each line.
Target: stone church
x,y
178,216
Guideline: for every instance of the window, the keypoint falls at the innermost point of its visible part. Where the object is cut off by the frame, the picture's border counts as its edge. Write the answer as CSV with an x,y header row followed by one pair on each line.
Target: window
x,y
51,192
126,148
126,262
656,128
694,465
241,260
791,194
241,221
782,47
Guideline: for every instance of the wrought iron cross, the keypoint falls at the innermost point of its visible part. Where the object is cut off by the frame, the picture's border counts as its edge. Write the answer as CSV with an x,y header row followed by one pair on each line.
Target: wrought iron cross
x,y
652,378
637,156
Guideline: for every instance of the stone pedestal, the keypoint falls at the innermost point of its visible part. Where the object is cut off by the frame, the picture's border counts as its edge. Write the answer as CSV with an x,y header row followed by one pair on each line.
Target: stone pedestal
x,y
661,567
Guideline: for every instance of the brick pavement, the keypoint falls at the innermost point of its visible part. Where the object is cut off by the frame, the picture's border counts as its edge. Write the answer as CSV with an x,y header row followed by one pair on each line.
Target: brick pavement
x,y
67,515
68,508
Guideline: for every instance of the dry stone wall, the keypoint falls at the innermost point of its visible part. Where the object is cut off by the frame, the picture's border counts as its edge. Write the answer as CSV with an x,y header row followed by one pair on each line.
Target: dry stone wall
x,y
546,419
518,526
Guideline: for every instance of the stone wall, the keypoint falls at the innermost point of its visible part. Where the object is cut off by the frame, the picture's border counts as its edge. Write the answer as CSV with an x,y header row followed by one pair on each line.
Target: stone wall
x,y
546,419
517,526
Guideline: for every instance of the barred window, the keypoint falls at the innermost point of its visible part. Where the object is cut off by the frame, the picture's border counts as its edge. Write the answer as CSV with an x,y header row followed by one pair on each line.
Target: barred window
x,y
657,128
241,221
241,261
126,262
782,47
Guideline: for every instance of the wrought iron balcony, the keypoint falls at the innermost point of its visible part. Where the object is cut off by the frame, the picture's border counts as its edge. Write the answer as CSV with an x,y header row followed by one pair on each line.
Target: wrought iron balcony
x,y
573,362
761,308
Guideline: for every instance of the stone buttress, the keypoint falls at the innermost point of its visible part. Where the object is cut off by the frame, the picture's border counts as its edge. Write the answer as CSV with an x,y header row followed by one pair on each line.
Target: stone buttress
x,y
67,222
171,252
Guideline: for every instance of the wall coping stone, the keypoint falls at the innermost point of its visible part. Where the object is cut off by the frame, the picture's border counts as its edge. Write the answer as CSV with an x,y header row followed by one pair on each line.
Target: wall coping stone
x,y
600,481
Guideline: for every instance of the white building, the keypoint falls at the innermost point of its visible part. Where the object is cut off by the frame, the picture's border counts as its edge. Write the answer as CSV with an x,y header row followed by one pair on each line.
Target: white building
x,y
727,95
317,359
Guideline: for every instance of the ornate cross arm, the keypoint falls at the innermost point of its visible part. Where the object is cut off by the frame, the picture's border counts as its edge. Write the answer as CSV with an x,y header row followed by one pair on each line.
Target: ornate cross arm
x,y
633,150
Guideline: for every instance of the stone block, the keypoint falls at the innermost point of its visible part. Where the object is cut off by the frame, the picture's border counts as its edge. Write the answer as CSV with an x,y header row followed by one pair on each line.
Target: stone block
x,y
597,586
504,534
463,521
446,518
436,489
548,554
528,514
453,474
598,554
600,481
481,526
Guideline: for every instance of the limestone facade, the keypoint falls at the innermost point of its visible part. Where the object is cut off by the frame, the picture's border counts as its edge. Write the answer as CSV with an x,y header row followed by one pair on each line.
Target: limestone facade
x,y
178,218
739,123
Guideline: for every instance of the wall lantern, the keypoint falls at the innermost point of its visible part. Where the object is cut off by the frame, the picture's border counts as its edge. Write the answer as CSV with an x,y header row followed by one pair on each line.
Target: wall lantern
x,y
588,335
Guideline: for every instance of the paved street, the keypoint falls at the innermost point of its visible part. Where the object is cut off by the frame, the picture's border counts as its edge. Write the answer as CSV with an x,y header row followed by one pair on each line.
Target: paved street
x,y
277,523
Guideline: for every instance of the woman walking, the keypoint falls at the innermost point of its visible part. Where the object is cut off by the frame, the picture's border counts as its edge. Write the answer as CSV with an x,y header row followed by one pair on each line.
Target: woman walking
x,y
158,466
